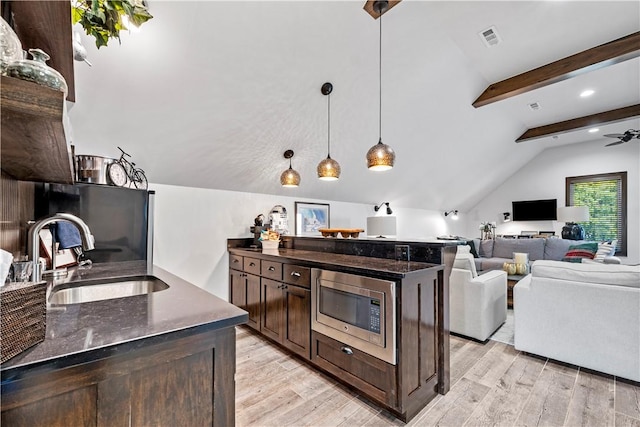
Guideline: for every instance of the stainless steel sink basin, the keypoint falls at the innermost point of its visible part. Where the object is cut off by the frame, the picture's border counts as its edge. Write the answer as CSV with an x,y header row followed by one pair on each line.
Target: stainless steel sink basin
x,y
82,292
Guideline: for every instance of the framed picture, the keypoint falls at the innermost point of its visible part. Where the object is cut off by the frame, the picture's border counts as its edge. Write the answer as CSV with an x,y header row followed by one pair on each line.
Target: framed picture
x,y
547,233
310,217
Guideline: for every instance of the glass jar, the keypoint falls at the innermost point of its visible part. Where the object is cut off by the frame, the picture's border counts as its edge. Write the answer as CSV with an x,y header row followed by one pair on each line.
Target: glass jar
x,y
36,70
10,46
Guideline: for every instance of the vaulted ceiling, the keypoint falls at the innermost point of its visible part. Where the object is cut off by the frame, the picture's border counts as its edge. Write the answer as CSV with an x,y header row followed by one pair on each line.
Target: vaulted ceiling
x,y
211,94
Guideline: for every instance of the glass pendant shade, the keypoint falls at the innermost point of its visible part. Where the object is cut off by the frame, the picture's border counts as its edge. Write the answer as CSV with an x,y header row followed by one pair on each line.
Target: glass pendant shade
x,y
290,178
328,169
380,157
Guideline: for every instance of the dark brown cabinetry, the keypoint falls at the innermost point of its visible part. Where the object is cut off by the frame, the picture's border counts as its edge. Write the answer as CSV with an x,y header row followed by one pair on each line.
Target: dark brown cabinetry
x,y
34,139
278,300
245,289
35,134
286,311
364,372
422,367
187,381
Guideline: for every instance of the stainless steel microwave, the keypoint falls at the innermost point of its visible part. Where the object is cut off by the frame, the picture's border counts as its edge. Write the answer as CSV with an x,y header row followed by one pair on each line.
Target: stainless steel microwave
x,y
356,310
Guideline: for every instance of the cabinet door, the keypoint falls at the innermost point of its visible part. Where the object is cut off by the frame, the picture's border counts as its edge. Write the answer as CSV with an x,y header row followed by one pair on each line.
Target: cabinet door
x,y
253,301
238,288
272,309
297,323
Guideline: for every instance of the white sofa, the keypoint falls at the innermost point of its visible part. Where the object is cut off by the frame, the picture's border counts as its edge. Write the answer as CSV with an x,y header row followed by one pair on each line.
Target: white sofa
x,y
477,303
583,314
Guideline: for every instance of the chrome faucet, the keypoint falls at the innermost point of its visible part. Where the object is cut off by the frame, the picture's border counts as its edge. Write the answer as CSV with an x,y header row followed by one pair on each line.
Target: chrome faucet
x,y
34,239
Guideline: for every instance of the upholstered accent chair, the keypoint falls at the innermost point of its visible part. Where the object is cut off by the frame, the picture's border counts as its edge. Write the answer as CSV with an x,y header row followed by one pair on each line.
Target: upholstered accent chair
x,y
477,303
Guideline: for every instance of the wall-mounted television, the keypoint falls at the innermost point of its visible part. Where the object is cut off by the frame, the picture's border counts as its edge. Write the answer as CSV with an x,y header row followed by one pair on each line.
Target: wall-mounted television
x,y
534,210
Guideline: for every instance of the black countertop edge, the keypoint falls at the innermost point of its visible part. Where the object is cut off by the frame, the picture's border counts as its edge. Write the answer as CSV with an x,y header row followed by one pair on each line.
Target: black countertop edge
x,y
386,240
379,267
75,359
181,310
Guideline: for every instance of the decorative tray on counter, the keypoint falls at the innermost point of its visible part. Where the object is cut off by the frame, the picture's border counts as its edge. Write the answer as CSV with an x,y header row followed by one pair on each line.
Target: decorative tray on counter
x,y
344,232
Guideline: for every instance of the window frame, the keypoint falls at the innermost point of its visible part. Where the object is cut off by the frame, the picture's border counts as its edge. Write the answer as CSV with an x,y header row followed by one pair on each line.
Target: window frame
x,y
622,177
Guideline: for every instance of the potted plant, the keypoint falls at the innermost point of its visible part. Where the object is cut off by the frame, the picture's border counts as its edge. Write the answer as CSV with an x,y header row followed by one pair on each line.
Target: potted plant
x,y
104,19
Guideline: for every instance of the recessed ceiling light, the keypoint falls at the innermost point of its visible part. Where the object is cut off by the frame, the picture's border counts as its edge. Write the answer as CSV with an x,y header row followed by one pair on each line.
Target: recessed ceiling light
x,y
587,92
593,130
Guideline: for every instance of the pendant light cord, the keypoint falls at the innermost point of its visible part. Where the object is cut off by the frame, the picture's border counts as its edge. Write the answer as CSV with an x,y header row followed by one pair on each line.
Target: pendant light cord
x,y
329,125
380,80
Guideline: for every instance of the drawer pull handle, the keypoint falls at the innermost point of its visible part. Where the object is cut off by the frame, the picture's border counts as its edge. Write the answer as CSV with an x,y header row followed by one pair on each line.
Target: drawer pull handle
x,y
252,264
235,261
346,350
272,268
295,274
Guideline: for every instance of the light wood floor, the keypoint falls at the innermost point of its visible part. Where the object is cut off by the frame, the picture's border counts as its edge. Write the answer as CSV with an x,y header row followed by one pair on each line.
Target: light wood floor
x,y
491,384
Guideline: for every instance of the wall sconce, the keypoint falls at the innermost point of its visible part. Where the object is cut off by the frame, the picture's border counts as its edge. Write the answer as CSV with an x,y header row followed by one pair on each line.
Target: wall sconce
x,y
453,213
377,208
289,178
507,216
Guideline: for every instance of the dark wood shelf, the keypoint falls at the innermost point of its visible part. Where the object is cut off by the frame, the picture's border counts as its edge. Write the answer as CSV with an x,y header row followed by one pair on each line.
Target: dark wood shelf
x,y
34,141
45,25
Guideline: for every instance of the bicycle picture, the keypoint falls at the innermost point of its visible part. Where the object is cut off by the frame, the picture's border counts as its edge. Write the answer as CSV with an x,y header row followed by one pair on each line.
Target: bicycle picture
x,y
123,172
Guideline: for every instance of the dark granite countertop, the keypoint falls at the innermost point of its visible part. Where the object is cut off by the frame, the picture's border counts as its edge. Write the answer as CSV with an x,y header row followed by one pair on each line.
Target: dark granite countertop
x,y
347,263
79,333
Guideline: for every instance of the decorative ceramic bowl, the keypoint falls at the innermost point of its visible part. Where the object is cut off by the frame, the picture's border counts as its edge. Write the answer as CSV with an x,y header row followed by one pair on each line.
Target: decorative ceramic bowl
x,y
344,232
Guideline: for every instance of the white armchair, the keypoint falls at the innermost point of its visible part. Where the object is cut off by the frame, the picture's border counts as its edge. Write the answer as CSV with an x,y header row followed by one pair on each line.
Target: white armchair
x,y
477,303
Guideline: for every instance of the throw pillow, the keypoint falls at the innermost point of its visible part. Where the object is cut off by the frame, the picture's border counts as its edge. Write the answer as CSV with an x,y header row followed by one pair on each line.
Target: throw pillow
x,y
472,248
577,252
605,249
486,248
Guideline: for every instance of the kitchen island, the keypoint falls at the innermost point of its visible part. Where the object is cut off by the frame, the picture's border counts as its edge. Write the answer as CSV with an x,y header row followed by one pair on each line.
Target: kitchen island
x,y
278,289
159,358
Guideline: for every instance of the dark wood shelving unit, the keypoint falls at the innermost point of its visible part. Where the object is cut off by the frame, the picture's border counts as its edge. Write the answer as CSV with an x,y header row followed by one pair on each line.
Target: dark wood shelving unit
x,y
34,138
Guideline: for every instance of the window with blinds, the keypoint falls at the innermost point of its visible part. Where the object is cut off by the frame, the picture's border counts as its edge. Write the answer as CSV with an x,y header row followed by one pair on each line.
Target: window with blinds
x,y
606,197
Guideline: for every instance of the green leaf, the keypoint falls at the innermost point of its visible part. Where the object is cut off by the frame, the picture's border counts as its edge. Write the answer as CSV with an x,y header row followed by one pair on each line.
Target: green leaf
x,y
102,19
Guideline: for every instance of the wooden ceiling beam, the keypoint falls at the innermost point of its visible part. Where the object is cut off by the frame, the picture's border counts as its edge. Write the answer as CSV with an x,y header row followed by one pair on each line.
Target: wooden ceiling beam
x,y
619,50
611,116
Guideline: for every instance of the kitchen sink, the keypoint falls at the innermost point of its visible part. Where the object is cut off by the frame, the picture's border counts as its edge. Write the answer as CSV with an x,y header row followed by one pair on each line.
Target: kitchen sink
x,y
82,292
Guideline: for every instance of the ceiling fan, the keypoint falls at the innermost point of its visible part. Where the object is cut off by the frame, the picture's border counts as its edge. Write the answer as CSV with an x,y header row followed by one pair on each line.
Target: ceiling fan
x,y
623,137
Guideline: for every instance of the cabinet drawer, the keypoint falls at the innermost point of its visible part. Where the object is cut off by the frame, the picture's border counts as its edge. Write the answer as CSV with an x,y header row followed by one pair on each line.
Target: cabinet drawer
x,y
296,275
252,265
367,373
271,269
235,262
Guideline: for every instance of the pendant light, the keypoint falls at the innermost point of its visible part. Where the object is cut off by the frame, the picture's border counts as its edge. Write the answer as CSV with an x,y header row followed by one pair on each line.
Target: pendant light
x,y
289,178
328,169
380,157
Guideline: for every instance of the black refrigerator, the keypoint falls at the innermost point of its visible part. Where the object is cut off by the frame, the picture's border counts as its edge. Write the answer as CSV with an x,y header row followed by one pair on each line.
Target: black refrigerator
x,y
120,219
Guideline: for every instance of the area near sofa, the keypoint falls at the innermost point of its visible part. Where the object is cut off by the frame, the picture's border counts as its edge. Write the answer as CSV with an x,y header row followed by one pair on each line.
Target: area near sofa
x,y
586,314
493,253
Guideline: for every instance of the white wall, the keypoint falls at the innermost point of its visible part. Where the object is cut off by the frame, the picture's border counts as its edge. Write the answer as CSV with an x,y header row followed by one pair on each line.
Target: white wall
x,y
192,226
544,178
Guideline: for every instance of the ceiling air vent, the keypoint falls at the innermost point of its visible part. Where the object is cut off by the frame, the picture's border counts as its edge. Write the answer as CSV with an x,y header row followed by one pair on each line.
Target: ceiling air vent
x,y
490,36
534,106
